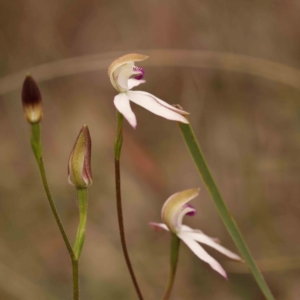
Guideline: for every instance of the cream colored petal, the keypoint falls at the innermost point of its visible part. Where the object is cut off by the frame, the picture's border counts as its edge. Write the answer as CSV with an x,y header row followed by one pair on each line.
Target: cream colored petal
x,y
179,216
189,229
122,104
201,253
158,226
165,104
173,207
148,102
134,82
131,57
123,77
204,239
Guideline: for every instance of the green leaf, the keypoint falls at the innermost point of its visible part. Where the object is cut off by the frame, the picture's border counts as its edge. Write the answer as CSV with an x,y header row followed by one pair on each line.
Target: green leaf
x,y
221,206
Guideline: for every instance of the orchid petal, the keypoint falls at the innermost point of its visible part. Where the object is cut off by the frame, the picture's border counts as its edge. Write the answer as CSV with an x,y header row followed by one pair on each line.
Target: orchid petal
x,y
171,213
185,210
204,239
165,104
189,229
124,74
122,104
123,60
149,102
159,226
134,82
201,253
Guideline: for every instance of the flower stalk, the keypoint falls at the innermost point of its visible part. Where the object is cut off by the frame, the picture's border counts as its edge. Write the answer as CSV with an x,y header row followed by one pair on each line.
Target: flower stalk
x,y
117,154
199,160
37,150
82,195
175,245
36,145
80,176
75,273
33,110
119,136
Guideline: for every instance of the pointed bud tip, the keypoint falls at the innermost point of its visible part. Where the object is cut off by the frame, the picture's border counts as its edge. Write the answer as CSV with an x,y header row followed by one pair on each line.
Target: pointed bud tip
x,y
32,100
31,92
85,128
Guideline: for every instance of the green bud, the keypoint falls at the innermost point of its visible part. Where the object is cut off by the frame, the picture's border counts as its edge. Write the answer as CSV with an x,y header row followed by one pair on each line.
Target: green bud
x,y
79,168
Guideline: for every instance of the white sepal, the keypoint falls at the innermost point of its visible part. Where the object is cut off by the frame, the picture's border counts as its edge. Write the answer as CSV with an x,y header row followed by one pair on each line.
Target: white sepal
x,y
204,239
150,103
201,253
159,226
122,104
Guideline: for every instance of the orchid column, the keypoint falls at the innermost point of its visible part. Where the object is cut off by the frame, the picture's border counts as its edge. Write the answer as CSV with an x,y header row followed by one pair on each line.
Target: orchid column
x,y
119,73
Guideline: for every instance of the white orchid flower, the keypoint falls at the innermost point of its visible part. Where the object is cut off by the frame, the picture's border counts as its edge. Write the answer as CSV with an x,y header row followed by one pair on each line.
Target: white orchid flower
x,y
119,73
173,211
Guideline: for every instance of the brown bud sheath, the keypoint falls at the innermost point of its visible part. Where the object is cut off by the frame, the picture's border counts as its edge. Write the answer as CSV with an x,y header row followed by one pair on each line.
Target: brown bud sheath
x,y
32,100
79,168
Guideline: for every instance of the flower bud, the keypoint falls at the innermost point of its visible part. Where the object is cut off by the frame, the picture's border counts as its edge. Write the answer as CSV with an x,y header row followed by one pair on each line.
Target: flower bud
x,y
32,100
79,168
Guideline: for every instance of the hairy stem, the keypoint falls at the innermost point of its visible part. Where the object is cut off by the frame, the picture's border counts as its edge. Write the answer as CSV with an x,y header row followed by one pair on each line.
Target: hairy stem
x,y
175,244
197,155
117,151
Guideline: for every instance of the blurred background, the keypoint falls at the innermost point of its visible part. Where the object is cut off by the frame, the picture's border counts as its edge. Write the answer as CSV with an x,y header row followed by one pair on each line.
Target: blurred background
x,y
232,64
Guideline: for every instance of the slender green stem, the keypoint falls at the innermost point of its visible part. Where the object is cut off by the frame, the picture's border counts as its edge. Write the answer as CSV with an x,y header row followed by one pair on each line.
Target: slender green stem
x,y
119,136
82,195
83,204
220,204
37,149
75,272
175,244
117,150
36,145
